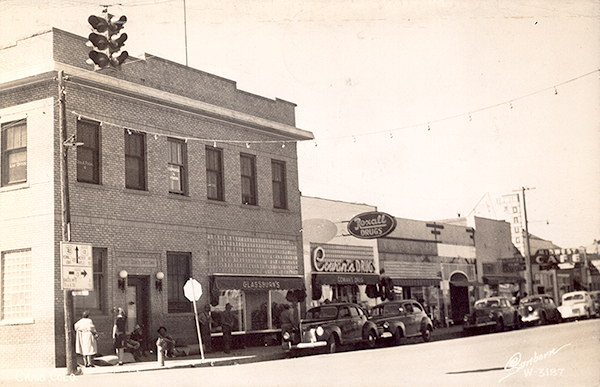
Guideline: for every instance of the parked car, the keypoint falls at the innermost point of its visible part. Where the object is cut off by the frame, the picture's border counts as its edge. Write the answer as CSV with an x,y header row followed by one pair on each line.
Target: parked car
x,y
400,319
595,294
576,305
495,313
330,326
539,309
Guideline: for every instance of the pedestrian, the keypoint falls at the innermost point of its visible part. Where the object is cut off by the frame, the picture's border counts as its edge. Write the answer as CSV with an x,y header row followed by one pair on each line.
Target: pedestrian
x,y
120,334
227,321
85,341
205,320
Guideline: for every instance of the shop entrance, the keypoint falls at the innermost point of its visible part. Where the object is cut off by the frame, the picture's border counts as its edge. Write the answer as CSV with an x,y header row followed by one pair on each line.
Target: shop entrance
x,y
459,297
137,297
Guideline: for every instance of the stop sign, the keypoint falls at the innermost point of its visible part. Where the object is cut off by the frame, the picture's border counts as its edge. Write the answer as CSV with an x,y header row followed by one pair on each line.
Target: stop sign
x,y
192,290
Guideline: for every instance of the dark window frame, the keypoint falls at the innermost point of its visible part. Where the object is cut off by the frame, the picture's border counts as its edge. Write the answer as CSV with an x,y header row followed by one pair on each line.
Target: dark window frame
x,y
178,162
179,270
248,179
92,149
6,152
279,183
135,154
214,174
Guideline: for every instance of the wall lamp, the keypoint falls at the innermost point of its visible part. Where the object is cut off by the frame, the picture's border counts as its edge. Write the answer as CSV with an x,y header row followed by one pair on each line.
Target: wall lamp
x,y
122,280
159,277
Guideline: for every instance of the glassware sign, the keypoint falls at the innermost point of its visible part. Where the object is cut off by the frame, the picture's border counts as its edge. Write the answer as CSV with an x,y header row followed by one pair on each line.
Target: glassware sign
x,y
371,225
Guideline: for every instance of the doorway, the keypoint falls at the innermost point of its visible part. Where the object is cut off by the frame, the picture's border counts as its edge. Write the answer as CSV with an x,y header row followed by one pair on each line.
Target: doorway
x,y
459,297
138,303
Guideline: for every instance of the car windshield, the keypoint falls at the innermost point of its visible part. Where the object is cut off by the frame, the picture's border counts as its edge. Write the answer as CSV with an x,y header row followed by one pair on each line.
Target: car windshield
x,y
531,300
573,297
481,304
322,312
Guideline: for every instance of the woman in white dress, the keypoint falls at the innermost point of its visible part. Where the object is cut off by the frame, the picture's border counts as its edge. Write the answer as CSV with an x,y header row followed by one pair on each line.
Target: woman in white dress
x,y
85,343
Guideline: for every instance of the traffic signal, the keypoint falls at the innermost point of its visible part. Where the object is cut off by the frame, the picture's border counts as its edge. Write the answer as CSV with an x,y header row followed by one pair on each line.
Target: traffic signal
x,y
107,41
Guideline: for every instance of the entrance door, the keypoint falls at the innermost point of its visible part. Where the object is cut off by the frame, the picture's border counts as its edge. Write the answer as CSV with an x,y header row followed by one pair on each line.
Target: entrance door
x,y
138,303
459,297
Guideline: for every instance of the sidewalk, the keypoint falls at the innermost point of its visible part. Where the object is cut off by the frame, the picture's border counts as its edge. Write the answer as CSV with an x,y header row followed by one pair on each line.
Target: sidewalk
x,y
238,356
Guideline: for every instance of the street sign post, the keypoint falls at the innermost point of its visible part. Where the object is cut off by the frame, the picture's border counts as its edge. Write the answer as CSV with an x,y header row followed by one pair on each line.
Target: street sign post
x,y
192,290
77,266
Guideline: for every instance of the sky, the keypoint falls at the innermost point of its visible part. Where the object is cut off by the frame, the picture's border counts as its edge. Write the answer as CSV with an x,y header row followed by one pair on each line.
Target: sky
x,y
421,108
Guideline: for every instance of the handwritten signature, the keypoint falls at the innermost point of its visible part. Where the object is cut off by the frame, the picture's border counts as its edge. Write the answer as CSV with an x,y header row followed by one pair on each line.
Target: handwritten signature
x,y
515,364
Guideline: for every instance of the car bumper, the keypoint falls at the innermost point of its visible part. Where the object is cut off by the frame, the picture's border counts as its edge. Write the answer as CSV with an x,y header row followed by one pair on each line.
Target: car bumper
x,y
530,319
572,313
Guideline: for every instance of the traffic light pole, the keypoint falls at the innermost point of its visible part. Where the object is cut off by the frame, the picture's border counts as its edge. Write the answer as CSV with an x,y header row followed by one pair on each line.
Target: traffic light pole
x,y
71,359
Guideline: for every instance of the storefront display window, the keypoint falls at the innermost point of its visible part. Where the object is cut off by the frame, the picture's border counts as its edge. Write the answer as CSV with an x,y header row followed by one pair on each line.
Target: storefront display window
x,y
251,309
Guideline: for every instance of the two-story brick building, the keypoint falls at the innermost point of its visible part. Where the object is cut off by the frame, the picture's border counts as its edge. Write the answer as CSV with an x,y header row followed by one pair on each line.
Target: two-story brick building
x,y
179,175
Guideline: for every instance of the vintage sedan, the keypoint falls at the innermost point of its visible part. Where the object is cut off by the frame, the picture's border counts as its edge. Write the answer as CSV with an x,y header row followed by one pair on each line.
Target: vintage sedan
x,y
400,319
330,326
539,310
577,305
495,313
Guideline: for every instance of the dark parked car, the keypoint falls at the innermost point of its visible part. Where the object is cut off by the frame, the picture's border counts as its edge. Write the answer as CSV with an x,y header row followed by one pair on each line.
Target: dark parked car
x,y
495,313
539,309
396,320
330,326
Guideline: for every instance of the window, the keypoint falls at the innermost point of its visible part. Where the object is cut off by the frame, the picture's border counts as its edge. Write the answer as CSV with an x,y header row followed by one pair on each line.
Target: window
x,y
14,152
279,184
178,272
177,167
17,285
88,154
95,301
214,173
248,171
135,160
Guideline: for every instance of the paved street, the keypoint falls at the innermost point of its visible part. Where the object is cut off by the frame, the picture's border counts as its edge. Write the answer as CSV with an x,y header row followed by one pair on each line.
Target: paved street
x,y
555,355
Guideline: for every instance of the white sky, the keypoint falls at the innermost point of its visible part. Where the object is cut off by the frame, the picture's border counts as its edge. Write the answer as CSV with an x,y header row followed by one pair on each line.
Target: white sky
x,y
510,91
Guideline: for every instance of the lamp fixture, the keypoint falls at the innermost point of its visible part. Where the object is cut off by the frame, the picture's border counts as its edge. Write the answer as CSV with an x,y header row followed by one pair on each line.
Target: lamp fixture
x,y
122,280
159,277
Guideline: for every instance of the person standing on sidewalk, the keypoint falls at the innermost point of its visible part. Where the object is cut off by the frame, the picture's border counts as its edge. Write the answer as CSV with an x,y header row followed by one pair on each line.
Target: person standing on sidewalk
x,y
85,341
227,321
205,321
120,334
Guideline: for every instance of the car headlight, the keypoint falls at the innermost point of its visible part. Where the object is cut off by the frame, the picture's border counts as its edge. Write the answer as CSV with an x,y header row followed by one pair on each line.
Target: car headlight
x,y
286,335
320,331
491,316
386,325
530,309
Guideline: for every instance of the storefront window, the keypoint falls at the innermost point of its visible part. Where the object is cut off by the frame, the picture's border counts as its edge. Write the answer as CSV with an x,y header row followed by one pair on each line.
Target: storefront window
x,y
251,309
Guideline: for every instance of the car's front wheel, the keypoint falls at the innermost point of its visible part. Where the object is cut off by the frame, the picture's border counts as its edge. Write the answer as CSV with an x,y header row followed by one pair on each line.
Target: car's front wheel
x,y
397,339
427,334
332,344
371,339
499,325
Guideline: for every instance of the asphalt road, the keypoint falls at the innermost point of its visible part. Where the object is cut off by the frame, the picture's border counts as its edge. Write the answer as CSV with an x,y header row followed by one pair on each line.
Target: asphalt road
x,y
567,354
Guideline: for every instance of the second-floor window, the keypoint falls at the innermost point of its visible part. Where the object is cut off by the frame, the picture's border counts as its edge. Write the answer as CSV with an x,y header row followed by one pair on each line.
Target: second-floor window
x,y
177,167
88,154
13,152
135,160
214,173
248,172
279,184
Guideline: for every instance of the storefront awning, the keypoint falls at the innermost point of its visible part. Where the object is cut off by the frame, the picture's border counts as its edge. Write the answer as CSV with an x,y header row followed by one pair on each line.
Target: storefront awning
x,y
256,283
502,279
347,278
466,283
416,281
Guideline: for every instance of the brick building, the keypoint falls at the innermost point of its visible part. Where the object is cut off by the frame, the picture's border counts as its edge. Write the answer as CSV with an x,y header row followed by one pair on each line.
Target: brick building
x,y
180,175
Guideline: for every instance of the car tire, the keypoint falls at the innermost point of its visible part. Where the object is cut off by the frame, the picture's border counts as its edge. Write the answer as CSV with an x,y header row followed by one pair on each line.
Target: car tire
x,y
427,334
499,325
332,344
371,339
543,319
397,339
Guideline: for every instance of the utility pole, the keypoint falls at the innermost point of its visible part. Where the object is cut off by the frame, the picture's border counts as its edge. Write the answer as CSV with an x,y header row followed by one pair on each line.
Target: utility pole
x,y
66,223
528,275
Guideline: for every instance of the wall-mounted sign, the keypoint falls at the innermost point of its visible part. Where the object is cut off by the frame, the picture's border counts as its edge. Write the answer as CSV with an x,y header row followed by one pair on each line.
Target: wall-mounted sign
x,y
77,266
370,225
554,258
336,264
